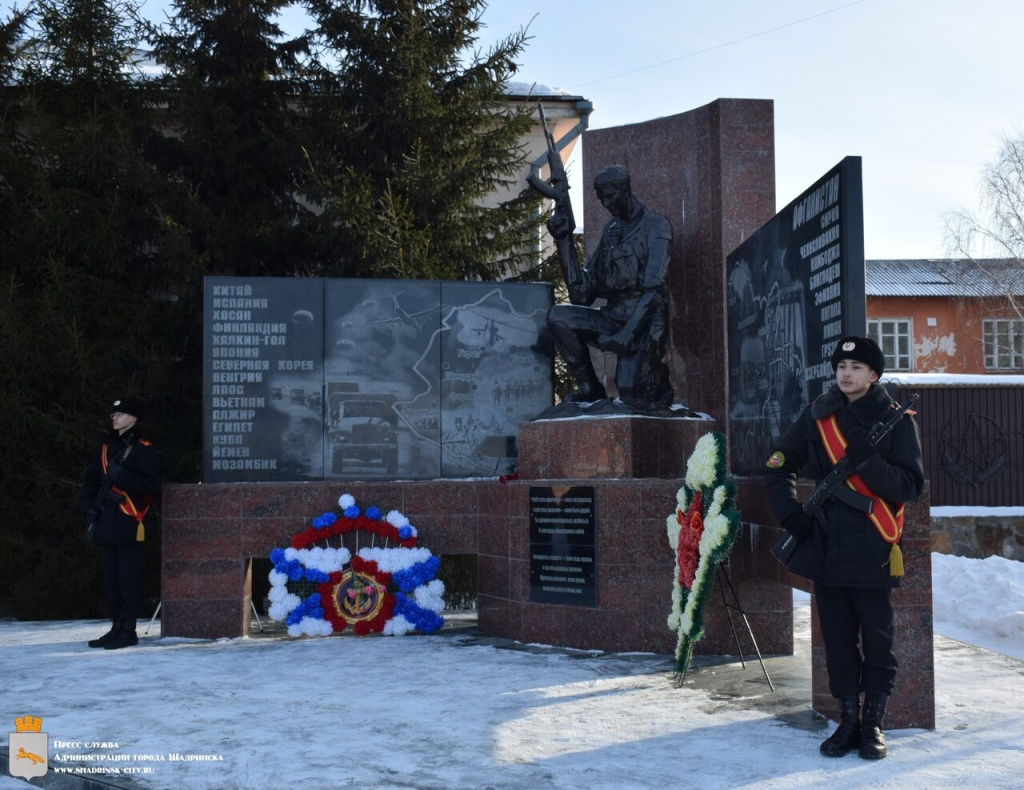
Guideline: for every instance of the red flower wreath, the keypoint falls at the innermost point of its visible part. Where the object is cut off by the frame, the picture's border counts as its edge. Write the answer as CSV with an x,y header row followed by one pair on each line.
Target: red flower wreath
x,y
688,550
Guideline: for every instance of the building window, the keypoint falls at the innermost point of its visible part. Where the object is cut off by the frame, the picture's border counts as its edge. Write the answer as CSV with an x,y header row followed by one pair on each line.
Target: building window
x,y
893,335
1004,343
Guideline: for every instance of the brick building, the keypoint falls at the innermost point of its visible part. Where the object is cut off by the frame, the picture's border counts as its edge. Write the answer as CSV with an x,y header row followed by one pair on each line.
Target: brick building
x,y
949,315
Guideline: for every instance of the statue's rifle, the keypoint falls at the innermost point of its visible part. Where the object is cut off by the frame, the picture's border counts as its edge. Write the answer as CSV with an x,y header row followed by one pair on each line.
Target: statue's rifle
x,y
557,189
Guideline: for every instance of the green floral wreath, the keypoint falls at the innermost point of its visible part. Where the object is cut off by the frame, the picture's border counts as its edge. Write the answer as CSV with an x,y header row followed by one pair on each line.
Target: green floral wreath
x,y
701,533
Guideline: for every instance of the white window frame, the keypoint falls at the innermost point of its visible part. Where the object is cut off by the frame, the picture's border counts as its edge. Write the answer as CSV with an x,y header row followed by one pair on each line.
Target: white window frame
x,y
891,334
1003,344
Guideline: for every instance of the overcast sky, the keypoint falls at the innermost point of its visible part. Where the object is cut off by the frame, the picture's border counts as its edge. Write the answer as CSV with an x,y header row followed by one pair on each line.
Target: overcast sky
x,y
923,90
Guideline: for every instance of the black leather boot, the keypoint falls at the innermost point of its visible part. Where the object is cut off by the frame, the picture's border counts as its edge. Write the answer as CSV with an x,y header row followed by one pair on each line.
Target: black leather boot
x,y
125,636
103,640
872,739
847,734
590,388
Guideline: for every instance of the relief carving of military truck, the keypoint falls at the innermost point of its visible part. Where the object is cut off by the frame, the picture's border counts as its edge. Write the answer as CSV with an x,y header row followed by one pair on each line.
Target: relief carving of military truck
x,y
362,429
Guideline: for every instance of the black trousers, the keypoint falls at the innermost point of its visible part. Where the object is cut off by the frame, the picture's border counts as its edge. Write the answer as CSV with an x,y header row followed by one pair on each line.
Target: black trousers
x,y
122,578
856,625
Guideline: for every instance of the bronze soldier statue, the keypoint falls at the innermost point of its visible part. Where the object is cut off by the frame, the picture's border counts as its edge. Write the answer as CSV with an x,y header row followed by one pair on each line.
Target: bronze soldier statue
x,y
628,270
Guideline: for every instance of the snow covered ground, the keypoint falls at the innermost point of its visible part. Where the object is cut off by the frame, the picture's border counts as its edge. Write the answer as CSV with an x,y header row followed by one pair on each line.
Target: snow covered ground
x,y
458,711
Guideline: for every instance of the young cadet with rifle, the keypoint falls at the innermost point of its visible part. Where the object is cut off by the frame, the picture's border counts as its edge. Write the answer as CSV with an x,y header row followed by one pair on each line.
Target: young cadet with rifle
x,y
847,542
120,484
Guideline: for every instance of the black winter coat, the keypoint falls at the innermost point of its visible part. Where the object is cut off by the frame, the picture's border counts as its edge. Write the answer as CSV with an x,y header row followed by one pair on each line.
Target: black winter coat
x,y
139,477
850,553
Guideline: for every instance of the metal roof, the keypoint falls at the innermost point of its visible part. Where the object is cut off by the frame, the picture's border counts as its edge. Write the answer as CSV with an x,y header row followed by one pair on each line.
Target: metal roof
x,y
982,277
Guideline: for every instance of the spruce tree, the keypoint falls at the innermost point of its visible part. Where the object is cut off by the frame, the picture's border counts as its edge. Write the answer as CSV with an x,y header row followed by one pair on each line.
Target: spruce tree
x,y
412,134
77,259
247,156
233,135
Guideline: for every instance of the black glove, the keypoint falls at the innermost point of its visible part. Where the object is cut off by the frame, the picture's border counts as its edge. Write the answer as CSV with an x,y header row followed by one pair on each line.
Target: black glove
x,y
91,516
113,470
859,451
798,524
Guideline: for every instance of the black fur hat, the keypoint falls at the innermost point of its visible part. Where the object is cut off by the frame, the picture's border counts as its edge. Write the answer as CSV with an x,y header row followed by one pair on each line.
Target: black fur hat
x,y
132,406
860,349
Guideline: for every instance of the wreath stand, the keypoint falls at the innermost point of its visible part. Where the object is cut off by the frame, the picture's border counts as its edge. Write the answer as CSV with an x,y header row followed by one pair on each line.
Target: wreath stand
x,y
160,603
723,574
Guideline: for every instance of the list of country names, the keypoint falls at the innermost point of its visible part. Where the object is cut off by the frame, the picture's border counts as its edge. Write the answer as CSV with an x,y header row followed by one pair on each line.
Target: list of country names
x,y
241,348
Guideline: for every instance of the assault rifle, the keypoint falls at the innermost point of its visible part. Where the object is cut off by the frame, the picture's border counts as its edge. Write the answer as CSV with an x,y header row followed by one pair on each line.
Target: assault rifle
x,y
92,515
104,495
558,191
834,484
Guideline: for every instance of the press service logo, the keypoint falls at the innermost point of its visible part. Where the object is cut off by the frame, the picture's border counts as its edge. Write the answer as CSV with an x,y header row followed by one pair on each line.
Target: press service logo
x,y
29,748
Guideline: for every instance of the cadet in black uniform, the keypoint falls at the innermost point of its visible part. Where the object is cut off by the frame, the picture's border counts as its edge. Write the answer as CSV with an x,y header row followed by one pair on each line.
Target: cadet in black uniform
x,y
120,484
852,557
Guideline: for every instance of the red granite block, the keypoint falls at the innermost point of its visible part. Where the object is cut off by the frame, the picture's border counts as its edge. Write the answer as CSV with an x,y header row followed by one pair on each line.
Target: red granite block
x,y
519,580
201,501
280,499
670,454
752,500
205,578
772,630
656,548
493,616
515,619
913,702
617,500
632,541
533,455
658,498
448,533
769,603
746,137
655,638
718,639
598,448
544,624
619,586
519,497
440,497
204,618
600,629
386,495
651,607
202,538
916,587
492,499
625,448
493,576
493,535
519,537
260,536
674,440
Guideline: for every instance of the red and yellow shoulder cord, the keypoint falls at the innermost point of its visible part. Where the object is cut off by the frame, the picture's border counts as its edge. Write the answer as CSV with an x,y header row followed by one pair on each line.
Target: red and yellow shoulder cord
x,y
128,506
888,523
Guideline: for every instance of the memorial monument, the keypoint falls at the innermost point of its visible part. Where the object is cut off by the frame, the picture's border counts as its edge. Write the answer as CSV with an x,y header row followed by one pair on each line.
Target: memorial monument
x,y
573,550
